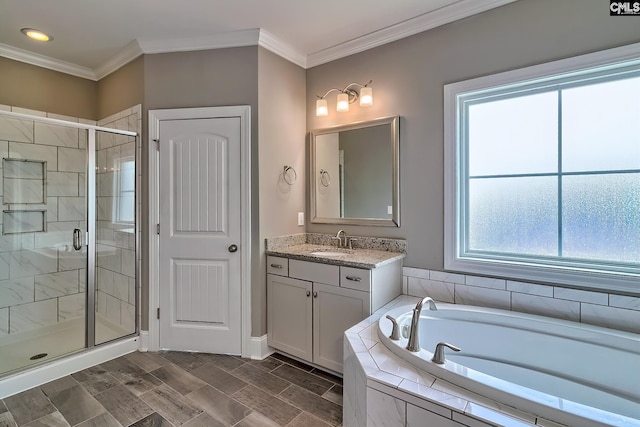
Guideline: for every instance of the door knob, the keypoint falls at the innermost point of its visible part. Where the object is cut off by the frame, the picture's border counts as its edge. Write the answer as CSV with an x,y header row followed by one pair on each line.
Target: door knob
x,y
233,248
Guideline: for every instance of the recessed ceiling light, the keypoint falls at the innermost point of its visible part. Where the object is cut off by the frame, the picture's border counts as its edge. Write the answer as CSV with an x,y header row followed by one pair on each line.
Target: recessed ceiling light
x,y
36,34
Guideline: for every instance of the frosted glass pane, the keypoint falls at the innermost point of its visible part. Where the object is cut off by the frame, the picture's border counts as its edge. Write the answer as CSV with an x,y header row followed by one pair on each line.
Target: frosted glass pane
x,y
600,127
514,136
514,215
601,217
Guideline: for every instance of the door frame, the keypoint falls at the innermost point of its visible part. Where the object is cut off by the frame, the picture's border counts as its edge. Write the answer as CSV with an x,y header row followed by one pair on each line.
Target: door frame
x,y
155,117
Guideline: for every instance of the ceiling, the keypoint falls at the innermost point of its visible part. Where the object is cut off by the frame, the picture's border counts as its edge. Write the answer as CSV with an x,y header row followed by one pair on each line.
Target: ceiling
x,y
93,38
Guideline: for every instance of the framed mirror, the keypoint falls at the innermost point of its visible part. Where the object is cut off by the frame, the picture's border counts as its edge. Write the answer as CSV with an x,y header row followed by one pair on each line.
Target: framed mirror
x,y
355,173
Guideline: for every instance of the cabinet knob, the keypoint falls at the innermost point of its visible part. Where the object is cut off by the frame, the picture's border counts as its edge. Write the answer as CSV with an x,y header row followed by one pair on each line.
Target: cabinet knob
x,y
308,293
276,266
354,278
315,295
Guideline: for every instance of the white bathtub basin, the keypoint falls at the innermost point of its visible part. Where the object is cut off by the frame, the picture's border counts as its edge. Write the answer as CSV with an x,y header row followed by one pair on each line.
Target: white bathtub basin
x,y
561,370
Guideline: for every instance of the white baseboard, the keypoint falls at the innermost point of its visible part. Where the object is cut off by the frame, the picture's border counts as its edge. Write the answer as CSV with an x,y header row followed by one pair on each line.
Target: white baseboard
x,y
144,341
22,381
258,348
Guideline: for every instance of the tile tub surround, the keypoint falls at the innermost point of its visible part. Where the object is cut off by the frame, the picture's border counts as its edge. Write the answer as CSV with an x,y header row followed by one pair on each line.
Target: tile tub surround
x,y
381,389
595,308
368,253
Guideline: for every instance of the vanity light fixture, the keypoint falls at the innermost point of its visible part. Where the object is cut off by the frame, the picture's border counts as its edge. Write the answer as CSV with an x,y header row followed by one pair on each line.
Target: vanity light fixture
x,y
345,97
37,35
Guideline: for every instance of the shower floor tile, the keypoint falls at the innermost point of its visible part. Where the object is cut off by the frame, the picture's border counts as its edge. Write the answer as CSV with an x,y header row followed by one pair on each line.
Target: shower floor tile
x,y
169,389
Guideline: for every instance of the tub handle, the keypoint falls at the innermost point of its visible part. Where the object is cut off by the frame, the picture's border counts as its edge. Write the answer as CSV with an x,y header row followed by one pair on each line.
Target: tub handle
x,y
395,331
438,354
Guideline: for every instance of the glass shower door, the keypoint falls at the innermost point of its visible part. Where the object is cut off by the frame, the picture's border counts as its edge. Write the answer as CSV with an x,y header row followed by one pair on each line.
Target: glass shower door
x,y
43,253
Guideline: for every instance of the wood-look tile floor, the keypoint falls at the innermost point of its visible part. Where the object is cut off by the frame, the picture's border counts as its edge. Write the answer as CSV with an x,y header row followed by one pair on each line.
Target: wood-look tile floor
x,y
182,389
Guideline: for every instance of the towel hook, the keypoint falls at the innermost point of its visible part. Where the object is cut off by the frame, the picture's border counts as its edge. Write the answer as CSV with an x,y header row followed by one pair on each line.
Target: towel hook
x,y
325,178
289,175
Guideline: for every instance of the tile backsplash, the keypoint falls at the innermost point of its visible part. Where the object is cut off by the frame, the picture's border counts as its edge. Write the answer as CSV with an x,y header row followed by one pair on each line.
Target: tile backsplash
x,y
596,308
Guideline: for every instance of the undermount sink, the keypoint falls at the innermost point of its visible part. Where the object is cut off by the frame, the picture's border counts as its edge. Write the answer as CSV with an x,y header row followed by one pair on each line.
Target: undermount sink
x,y
330,254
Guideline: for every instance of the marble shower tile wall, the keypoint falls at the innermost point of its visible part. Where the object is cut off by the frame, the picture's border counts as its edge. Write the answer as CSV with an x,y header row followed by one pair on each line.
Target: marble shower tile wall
x,y
117,261
595,308
41,276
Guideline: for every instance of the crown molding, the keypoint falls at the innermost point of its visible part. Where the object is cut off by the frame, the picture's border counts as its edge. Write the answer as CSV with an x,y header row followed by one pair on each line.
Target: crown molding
x,y
427,21
260,37
282,49
46,62
130,52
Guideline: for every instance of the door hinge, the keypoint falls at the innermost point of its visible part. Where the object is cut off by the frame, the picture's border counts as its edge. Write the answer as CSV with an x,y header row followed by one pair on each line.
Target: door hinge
x,y
158,313
157,228
157,141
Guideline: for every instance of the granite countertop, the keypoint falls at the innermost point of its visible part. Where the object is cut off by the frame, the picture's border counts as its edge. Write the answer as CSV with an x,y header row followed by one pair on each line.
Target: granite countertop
x,y
358,257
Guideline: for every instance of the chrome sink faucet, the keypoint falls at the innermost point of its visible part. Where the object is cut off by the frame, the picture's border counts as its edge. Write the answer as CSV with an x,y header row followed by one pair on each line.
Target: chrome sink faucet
x,y
340,236
414,342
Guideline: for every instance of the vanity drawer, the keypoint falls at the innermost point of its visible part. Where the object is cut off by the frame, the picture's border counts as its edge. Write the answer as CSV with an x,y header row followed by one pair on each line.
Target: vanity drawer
x,y
277,265
355,278
314,272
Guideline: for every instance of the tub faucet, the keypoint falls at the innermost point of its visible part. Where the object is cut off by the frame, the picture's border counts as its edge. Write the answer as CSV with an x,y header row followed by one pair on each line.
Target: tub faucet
x,y
414,343
438,353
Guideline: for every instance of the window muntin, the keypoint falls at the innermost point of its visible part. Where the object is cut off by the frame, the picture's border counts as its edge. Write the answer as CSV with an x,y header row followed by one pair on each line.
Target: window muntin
x,y
546,175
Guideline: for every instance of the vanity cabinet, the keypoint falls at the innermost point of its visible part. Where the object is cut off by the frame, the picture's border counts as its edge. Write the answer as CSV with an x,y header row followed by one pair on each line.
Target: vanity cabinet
x,y
310,305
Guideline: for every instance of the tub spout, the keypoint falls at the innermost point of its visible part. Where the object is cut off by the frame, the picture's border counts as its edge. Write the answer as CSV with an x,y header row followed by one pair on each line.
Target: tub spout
x,y
438,354
414,343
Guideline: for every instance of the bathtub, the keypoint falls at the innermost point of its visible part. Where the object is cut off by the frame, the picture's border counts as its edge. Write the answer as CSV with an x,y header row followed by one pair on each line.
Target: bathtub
x,y
568,372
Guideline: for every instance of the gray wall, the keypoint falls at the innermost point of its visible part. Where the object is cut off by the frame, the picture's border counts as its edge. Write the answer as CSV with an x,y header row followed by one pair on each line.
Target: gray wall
x,y
281,123
408,79
200,79
121,89
27,86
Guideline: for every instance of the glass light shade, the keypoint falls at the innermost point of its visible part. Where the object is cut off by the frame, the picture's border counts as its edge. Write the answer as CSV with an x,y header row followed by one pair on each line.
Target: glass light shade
x,y
321,108
343,102
366,97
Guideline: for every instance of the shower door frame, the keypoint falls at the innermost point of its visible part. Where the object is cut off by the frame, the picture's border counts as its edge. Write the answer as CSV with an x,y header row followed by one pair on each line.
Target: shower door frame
x,y
91,220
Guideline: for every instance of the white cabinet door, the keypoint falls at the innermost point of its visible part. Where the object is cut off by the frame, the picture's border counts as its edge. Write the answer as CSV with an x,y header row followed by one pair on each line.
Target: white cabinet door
x,y
335,310
289,315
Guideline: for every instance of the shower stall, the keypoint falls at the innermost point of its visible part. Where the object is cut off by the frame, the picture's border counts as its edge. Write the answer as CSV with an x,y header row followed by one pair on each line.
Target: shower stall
x,y
68,248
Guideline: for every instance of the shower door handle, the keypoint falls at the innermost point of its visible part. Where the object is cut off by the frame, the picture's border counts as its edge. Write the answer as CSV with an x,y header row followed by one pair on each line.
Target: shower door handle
x,y
77,240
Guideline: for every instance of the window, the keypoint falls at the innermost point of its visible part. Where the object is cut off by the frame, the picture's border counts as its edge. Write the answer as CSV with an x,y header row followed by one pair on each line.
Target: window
x,y
543,172
124,184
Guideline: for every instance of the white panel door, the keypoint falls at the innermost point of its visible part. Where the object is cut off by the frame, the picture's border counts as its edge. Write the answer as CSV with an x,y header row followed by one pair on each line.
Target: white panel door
x,y
200,289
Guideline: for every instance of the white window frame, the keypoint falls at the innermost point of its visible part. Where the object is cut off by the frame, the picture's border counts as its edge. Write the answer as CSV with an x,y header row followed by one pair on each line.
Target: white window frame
x,y
454,260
